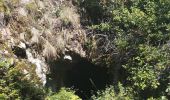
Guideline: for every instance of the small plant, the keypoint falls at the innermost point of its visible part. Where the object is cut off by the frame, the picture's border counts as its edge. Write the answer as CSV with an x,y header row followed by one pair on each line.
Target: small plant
x,y
34,10
3,7
49,51
64,94
31,6
111,94
3,97
15,1
69,16
18,79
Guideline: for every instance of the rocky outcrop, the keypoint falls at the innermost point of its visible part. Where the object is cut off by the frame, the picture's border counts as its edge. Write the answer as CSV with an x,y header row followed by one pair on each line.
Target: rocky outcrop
x,y
42,30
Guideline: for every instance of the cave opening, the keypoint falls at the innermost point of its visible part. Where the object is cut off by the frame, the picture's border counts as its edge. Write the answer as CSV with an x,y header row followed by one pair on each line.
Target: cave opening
x,y
87,78
19,52
79,74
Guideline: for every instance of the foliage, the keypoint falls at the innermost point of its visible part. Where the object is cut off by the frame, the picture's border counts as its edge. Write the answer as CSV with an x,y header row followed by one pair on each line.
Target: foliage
x,y
129,36
34,10
121,93
31,6
14,84
3,7
64,94
146,68
133,37
69,16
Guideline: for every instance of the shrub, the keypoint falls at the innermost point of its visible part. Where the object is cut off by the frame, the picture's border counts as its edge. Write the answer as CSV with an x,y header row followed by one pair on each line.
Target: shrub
x,y
69,16
14,84
3,7
111,94
64,94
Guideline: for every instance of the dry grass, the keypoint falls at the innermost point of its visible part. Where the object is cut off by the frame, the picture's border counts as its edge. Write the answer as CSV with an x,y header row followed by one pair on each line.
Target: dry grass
x,y
2,6
15,1
56,41
31,6
53,41
35,36
30,71
69,15
18,23
49,51
60,43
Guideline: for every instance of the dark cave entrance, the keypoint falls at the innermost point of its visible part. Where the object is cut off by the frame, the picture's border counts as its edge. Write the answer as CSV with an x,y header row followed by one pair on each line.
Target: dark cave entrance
x,y
80,74
87,78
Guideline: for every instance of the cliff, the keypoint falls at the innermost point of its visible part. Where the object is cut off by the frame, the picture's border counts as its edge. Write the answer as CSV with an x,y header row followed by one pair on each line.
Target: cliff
x,y
39,31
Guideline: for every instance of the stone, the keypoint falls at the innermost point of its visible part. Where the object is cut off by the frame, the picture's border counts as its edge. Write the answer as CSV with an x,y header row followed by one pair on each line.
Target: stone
x,y
35,35
22,11
25,1
22,45
40,66
67,57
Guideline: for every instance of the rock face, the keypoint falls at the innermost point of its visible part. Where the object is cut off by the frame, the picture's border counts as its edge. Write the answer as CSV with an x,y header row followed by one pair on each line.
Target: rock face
x,y
45,30
40,66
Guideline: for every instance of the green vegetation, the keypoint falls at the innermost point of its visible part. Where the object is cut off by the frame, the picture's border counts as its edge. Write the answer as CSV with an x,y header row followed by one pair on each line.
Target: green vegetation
x,y
132,36
4,8
64,94
128,36
15,85
111,94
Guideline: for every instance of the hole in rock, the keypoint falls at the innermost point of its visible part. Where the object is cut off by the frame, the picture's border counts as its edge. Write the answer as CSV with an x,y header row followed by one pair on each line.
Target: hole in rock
x,y
19,52
79,74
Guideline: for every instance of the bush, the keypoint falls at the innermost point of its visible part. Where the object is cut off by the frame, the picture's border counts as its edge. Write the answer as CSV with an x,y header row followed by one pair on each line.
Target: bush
x,y
111,93
69,16
16,85
64,94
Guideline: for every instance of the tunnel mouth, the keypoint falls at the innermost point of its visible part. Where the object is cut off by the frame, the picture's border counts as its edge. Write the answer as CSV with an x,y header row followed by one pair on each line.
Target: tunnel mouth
x,y
80,75
87,78
19,52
